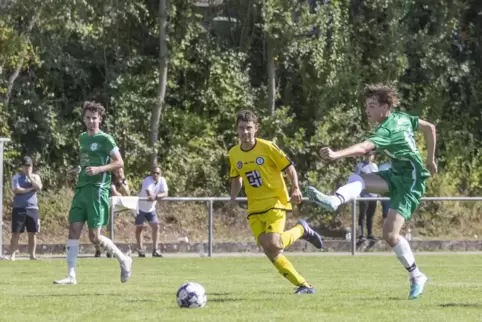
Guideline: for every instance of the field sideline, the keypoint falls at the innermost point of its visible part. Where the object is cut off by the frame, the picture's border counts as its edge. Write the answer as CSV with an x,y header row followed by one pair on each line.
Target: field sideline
x,y
360,288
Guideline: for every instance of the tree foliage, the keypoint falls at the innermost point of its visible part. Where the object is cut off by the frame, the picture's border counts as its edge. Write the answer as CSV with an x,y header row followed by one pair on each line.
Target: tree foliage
x,y
323,52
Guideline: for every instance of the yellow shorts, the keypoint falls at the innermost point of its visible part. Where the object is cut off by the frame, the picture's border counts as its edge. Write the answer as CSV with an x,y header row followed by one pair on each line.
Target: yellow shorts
x,y
272,221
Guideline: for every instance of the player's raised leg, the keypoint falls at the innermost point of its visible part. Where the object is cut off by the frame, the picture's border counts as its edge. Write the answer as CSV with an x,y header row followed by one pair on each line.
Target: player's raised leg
x,y
98,216
355,185
268,230
304,231
125,261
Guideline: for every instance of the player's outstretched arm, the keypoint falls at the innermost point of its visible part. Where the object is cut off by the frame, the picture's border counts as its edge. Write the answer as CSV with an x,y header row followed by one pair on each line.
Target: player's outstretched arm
x,y
353,151
430,133
295,187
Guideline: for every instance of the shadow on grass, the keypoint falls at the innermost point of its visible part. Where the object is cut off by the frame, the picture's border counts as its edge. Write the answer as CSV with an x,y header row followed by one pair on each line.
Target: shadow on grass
x,y
140,300
72,295
221,300
381,298
460,305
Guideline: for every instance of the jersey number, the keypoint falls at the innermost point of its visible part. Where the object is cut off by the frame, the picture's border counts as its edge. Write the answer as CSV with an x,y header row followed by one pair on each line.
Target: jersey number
x,y
254,178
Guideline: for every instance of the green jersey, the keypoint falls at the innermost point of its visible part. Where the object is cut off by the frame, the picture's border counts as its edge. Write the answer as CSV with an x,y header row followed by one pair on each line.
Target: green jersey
x,y
95,150
394,136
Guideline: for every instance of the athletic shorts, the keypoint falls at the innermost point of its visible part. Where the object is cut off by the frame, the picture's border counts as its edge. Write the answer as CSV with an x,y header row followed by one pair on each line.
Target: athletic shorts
x,y
150,217
90,204
25,218
272,221
405,191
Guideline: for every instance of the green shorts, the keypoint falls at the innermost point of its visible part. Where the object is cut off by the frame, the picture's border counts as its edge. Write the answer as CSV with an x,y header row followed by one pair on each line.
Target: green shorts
x,y
90,204
405,191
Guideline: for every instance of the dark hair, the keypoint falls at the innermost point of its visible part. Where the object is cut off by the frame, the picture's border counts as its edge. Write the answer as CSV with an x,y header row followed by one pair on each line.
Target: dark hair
x,y
246,116
384,94
93,107
155,168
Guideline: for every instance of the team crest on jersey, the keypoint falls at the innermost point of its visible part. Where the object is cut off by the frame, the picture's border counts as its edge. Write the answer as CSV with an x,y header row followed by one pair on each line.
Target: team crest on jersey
x,y
93,146
239,165
259,160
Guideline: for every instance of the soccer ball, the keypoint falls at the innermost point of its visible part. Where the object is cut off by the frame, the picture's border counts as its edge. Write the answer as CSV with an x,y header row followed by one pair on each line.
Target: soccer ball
x,y
191,295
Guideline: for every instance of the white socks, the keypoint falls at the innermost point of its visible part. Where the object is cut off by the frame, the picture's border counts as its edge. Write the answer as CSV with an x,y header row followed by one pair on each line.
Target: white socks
x,y
72,252
405,256
111,247
351,189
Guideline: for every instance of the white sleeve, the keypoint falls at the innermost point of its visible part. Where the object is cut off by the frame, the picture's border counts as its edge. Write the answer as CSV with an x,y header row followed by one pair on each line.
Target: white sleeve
x,y
375,167
15,182
163,185
146,185
113,151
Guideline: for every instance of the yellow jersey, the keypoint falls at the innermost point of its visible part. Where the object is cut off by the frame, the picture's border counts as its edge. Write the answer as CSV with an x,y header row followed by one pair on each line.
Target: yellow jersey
x,y
261,170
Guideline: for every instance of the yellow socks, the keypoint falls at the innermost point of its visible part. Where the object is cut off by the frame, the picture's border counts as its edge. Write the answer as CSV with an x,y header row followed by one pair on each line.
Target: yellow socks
x,y
288,237
287,270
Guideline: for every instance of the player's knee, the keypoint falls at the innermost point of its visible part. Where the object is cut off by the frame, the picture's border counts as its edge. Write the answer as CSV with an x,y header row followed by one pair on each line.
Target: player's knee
x,y
357,178
390,237
74,232
271,243
94,237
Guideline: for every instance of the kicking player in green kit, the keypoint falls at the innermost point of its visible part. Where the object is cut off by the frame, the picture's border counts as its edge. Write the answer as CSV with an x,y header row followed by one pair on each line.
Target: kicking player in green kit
x,y
404,183
99,156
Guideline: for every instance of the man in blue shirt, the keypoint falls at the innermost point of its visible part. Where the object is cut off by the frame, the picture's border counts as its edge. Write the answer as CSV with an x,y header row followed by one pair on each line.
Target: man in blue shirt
x,y
25,212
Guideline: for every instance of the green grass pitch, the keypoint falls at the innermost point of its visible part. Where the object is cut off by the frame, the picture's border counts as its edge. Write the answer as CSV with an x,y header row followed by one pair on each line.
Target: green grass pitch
x,y
365,288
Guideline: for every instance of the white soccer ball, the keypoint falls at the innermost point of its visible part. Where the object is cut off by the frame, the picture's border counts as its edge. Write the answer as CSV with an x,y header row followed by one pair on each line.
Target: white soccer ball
x,y
191,295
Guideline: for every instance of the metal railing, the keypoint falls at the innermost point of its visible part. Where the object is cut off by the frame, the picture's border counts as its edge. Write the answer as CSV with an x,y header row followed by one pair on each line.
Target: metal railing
x,y
210,200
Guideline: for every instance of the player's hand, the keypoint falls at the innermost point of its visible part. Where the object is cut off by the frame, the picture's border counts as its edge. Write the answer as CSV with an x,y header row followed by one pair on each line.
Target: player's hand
x,y
328,153
92,171
230,207
432,167
296,196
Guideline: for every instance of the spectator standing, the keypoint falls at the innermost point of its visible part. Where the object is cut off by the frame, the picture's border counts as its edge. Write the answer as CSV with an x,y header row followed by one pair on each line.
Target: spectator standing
x,y
25,212
153,188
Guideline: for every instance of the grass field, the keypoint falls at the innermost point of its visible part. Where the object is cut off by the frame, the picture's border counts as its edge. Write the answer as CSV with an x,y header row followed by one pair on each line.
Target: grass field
x,y
368,288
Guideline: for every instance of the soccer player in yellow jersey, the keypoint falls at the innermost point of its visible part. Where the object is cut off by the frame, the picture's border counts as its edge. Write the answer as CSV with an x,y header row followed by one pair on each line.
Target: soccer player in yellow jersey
x,y
259,164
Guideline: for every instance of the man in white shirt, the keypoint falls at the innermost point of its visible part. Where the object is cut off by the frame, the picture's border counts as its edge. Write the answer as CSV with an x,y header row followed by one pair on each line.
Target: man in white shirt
x,y
385,203
154,188
367,208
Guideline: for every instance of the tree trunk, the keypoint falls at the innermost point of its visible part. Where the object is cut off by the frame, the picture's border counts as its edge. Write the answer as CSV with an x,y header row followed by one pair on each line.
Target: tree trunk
x,y
161,92
271,75
23,53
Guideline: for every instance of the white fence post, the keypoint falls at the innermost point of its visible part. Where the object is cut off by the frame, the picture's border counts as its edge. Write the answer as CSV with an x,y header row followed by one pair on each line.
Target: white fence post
x,y
2,143
210,229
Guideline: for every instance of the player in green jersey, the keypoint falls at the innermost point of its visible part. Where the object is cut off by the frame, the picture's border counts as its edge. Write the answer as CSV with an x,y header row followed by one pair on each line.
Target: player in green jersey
x,y
404,183
99,156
